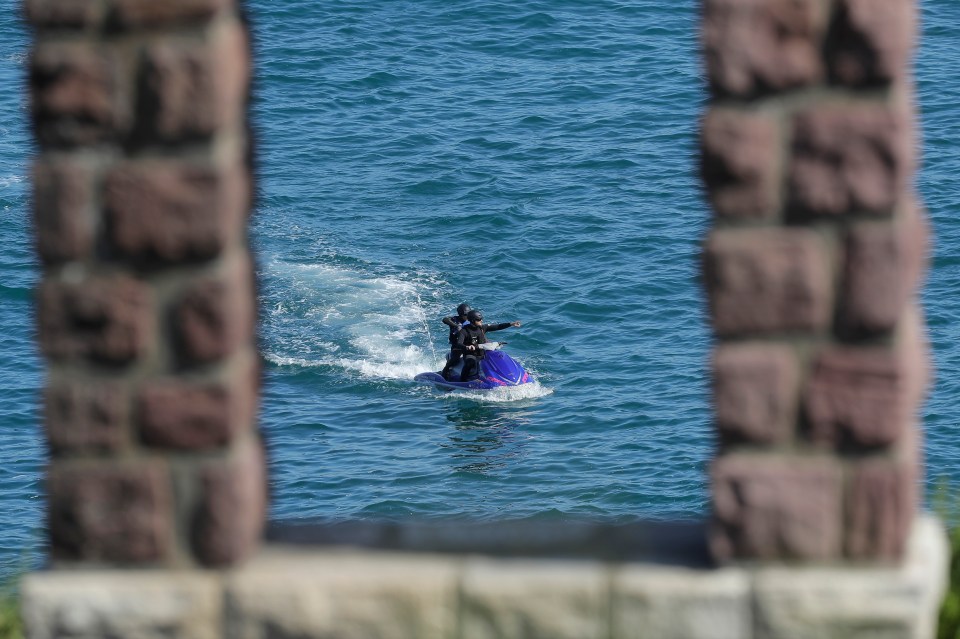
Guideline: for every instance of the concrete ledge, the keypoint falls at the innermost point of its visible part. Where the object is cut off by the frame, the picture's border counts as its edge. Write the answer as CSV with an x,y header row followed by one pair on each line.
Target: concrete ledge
x,y
326,592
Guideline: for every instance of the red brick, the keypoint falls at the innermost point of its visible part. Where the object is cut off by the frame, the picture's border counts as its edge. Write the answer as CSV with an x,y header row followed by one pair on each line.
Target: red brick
x,y
776,507
197,415
232,508
860,397
63,14
86,416
63,211
850,159
768,281
884,263
755,393
107,318
150,13
76,95
740,163
881,506
216,315
757,46
871,41
194,91
110,513
174,212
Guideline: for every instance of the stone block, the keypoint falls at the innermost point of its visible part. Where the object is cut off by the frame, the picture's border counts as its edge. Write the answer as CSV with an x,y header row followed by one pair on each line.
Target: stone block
x,y
348,595
62,210
134,14
657,602
106,318
883,266
860,397
849,159
195,415
768,281
193,91
881,507
755,393
77,96
63,14
776,507
232,506
759,46
518,599
171,212
871,41
120,513
85,416
216,315
128,604
740,163
898,602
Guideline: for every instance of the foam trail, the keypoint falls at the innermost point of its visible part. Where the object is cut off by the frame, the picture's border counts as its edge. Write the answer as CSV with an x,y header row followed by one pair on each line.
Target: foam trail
x,y
373,326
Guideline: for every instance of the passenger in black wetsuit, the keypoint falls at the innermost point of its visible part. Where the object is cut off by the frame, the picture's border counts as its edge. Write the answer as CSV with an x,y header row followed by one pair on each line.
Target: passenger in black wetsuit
x,y
455,323
469,339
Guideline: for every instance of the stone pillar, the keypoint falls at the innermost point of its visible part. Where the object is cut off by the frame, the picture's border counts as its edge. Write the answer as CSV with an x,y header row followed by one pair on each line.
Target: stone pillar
x,y
811,270
146,310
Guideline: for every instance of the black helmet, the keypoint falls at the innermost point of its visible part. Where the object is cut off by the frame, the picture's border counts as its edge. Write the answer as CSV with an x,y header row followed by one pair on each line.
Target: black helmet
x,y
475,316
463,309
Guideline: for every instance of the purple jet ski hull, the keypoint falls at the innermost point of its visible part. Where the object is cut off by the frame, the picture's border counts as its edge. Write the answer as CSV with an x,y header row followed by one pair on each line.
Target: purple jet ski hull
x,y
497,370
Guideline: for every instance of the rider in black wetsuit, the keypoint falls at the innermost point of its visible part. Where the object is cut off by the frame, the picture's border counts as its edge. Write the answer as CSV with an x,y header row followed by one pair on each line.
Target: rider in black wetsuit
x,y
469,339
455,323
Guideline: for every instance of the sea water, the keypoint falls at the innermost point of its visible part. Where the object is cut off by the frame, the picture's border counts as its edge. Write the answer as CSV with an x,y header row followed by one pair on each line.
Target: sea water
x,y
536,159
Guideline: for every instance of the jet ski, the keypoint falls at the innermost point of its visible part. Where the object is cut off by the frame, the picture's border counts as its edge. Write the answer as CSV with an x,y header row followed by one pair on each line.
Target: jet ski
x,y
497,370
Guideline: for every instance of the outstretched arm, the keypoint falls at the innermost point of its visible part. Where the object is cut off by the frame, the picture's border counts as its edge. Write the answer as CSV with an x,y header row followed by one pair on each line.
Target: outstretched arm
x,y
500,327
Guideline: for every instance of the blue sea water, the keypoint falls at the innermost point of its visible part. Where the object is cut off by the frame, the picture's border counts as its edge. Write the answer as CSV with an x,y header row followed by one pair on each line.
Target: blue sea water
x,y
534,158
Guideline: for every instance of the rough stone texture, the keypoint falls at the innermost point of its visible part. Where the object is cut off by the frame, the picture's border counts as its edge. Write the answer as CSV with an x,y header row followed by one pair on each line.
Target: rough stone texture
x,y
767,281
755,393
85,416
666,602
871,41
859,397
216,315
62,210
503,599
849,159
776,507
63,14
740,163
881,503
756,46
150,13
174,212
76,95
127,604
107,318
192,92
343,594
232,507
837,603
196,415
109,512
884,264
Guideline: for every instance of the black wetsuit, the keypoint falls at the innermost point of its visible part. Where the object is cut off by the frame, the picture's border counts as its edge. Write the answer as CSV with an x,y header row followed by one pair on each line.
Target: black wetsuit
x,y
471,335
453,358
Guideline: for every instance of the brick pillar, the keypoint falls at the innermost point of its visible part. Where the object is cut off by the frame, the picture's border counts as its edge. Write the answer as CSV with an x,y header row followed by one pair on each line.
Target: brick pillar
x,y
811,270
146,311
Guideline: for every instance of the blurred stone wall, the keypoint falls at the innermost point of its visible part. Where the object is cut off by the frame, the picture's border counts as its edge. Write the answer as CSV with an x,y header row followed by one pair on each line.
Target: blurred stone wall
x,y
146,311
812,270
